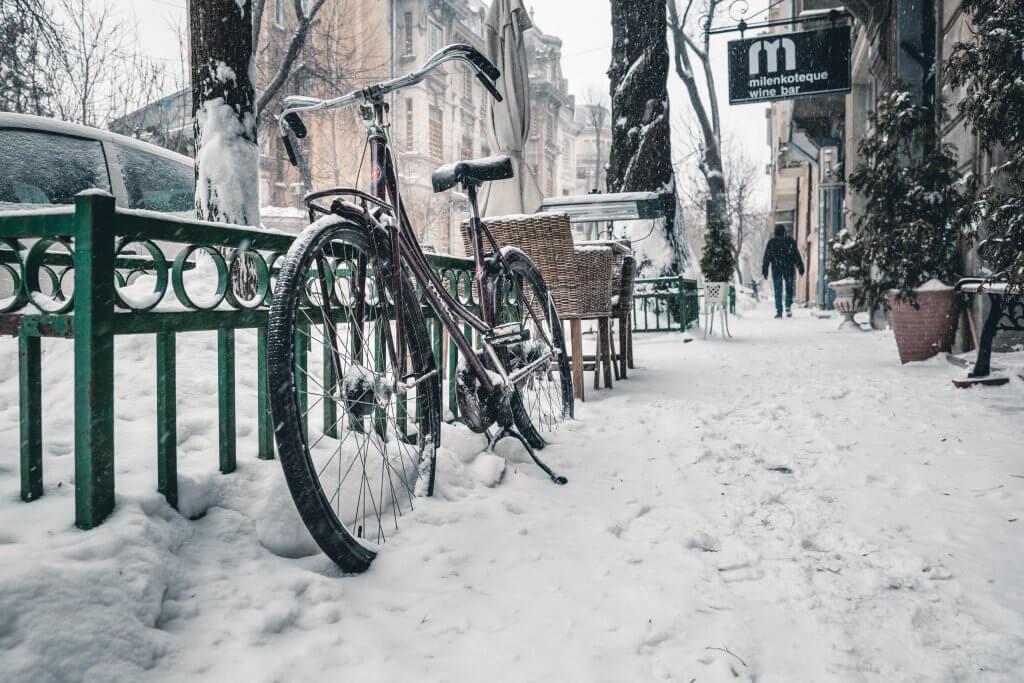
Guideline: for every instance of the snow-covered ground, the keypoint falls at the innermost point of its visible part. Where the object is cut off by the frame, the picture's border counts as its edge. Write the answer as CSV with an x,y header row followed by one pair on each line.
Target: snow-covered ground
x,y
788,505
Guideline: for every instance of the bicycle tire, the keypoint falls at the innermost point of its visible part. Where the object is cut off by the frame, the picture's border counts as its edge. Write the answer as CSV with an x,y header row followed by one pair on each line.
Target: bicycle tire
x,y
332,234
529,417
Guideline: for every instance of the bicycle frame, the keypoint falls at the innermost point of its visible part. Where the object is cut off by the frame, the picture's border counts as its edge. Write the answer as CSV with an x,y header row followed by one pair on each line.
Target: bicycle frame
x,y
405,250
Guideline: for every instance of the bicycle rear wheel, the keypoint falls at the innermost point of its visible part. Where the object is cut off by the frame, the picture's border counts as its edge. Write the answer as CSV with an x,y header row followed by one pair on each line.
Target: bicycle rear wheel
x,y
356,431
544,397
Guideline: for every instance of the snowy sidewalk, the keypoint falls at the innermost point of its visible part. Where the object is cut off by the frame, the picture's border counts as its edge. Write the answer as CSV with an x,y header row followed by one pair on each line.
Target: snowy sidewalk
x,y
789,505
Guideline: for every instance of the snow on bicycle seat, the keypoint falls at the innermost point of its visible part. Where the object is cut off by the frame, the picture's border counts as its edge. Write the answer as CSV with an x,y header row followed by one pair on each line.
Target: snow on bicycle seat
x,y
472,171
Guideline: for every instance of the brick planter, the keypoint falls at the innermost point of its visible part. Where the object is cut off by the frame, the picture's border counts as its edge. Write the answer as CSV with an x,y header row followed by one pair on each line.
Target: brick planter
x,y
923,332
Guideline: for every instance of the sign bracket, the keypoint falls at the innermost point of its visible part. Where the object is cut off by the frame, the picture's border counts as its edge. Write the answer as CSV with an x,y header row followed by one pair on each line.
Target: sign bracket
x,y
833,16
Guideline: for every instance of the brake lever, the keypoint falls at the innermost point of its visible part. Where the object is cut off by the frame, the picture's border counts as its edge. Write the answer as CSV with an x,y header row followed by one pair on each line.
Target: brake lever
x,y
294,160
295,123
484,64
491,88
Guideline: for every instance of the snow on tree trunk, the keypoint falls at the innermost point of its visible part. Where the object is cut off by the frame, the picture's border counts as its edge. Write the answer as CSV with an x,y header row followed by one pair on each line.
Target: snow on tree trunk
x,y
641,151
224,111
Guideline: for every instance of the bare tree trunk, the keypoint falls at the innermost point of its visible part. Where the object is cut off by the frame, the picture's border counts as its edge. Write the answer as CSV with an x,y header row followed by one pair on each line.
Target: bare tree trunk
x,y
641,149
706,113
224,111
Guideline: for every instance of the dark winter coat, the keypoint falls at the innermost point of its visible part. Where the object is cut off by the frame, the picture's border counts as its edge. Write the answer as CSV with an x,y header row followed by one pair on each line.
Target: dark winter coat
x,y
783,256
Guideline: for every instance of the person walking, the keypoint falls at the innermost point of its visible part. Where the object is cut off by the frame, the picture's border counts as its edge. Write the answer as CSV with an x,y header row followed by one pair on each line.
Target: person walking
x,y
783,256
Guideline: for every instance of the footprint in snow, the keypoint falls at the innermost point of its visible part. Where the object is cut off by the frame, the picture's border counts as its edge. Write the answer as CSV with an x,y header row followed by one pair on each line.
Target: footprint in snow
x,y
704,542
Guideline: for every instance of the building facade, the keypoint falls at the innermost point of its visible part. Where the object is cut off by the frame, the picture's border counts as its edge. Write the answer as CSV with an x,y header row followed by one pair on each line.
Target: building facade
x,y
807,142
442,119
814,140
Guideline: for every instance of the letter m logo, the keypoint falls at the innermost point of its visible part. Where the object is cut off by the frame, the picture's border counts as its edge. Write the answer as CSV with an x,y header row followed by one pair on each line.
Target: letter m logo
x,y
771,47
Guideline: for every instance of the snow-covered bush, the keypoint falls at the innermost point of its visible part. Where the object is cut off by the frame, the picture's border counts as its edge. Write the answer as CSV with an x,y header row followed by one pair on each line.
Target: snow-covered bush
x,y
717,263
989,68
909,229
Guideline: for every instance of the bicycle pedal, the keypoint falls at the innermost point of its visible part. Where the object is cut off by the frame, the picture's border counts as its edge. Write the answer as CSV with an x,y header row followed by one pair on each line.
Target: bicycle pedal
x,y
509,333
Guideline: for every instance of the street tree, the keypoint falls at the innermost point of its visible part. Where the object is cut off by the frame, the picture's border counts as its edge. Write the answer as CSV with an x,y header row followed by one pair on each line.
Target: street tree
x,y
692,62
224,111
641,149
597,107
744,208
28,35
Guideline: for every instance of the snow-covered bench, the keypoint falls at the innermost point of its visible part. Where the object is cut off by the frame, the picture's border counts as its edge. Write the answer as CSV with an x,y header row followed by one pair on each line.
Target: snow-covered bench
x,y
1006,312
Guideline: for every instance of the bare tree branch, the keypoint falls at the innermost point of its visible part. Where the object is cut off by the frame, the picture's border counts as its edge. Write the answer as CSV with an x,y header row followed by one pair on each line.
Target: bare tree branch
x,y
298,40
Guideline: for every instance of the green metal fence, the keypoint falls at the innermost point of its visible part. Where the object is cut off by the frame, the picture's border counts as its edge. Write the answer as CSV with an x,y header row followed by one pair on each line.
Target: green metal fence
x,y
100,250
663,304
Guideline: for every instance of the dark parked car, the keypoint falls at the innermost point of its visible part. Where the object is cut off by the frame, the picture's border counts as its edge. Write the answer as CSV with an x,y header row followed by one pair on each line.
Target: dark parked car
x,y
44,162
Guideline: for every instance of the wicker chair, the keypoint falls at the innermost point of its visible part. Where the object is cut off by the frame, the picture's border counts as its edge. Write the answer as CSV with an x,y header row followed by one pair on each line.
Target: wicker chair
x,y
579,278
623,279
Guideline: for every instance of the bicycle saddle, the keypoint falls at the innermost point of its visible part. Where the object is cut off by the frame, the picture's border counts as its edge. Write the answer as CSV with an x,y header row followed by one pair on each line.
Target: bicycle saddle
x,y
472,172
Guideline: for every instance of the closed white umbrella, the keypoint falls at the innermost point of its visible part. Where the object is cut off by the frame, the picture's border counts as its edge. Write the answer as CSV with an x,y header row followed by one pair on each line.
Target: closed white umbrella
x,y
506,22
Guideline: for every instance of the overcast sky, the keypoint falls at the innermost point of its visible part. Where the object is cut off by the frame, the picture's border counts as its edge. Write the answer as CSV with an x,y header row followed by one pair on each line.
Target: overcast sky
x,y
585,29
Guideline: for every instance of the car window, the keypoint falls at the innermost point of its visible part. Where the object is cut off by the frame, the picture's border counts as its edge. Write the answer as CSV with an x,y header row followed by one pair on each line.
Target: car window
x,y
48,168
156,183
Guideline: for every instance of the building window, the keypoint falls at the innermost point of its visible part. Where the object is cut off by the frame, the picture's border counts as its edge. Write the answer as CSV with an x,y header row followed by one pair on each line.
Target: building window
x,y
279,12
408,124
436,133
534,128
549,182
408,33
467,83
581,173
436,37
549,129
467,147
485,151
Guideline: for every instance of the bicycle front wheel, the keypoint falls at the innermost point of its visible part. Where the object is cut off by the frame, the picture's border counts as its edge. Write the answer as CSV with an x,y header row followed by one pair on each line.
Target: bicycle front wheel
x,y
544,397
354,390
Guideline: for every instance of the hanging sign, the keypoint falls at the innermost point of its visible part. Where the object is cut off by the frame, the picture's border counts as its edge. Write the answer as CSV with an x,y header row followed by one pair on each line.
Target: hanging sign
x,y
781,66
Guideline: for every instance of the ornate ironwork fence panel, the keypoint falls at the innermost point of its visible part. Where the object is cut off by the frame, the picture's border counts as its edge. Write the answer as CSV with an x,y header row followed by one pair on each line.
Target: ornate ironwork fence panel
x,y
92,272
664,304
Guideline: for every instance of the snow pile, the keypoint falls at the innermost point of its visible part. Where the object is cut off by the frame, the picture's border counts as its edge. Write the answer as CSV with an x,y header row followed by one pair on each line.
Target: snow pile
x,y
223,148
793,505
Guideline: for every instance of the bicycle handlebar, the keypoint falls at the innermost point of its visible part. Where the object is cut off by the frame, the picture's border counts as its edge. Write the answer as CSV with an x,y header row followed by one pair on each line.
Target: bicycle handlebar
x,y
486,73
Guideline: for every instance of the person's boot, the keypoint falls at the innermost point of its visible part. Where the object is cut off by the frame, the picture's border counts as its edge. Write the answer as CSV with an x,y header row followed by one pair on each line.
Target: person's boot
x,y
778,315
789,313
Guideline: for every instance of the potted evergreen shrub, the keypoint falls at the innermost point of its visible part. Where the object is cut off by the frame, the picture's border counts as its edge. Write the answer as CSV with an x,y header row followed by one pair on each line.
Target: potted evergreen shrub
x,y
717,262
909,230
845,276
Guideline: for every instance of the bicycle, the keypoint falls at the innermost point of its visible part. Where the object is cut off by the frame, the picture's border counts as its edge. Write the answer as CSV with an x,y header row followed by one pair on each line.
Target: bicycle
x,y
347,284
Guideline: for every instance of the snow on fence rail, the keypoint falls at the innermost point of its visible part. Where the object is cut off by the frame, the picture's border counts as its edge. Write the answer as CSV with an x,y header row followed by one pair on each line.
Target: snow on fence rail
x,y
94,272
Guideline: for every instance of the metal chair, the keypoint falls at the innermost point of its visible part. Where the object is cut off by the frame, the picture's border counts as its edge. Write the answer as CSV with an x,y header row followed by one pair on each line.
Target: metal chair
x,y
716,297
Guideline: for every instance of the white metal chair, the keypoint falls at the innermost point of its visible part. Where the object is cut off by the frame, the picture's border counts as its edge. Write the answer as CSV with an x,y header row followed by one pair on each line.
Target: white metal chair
x,y
716,298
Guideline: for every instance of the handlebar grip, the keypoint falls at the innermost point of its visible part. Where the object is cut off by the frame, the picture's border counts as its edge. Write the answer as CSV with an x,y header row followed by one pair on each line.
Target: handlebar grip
x,y
485,64
296,124
292,159
489,86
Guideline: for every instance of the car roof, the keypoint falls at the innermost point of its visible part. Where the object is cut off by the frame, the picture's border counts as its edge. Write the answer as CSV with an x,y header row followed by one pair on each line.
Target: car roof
x,y
43,124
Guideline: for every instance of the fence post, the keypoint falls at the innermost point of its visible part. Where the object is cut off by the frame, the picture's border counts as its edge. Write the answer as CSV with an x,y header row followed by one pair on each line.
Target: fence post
x,y
166,418
265,421
94,357
226,398
682,304
30,391
330,384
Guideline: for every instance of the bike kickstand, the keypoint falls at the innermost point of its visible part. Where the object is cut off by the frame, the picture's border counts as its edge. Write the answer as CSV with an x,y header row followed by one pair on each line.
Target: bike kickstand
x,y
507,432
